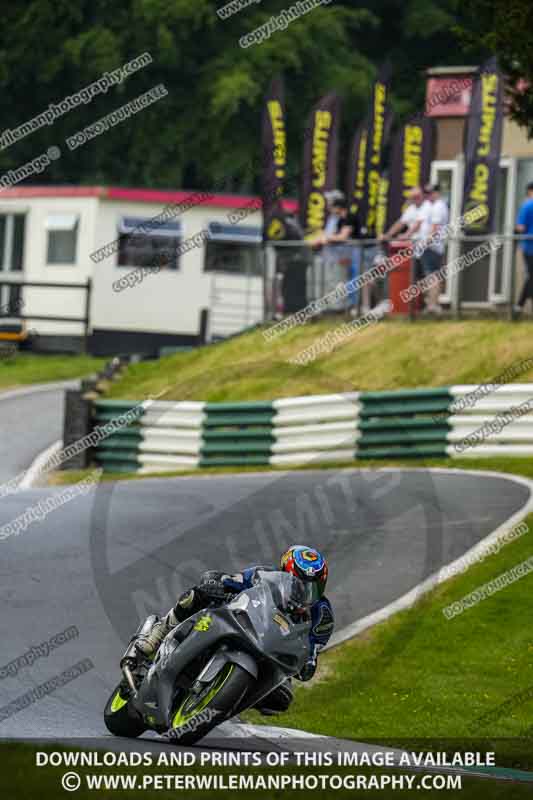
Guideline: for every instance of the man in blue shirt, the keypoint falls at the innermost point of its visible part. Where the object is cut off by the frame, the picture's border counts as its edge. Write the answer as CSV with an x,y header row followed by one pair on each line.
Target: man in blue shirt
x,y
524,224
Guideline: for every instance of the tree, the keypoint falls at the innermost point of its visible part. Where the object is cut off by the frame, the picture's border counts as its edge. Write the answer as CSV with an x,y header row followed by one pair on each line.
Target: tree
x,y
206,130
505,28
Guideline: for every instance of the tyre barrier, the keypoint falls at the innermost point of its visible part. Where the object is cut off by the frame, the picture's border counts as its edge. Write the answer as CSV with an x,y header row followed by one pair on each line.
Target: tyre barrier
x,y
416,423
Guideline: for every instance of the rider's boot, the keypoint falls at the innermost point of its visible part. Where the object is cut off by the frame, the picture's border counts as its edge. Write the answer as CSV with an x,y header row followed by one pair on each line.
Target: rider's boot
x,y
277,701
149,641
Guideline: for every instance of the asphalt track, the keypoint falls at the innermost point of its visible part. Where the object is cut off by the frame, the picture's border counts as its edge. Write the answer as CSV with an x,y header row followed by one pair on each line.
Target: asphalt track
x,y
104,559
30,420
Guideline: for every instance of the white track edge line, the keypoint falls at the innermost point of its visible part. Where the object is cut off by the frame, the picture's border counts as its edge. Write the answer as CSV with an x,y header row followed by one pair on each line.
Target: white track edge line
x,y
38,465
39,387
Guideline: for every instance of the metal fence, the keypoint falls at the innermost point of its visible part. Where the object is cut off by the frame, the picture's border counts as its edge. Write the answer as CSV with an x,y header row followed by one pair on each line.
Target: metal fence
x,y
235,302
297,274
12,311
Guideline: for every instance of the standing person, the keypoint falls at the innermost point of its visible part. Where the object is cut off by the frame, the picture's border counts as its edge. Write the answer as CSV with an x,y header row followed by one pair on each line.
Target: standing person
x,y
341,226
332,218
328,266
433,255
348,227
413,225
293,263
524,224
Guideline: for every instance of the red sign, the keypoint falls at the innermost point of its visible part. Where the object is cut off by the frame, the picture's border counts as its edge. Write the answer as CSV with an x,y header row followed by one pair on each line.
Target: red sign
x,y
448,97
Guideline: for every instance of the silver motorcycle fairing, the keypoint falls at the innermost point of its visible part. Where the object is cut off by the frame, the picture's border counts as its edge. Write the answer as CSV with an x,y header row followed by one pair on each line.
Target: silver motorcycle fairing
x,y
223,657
251,628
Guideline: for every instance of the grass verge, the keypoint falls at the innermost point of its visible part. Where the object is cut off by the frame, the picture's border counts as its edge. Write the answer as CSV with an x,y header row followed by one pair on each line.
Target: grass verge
x,y
23,369
513,466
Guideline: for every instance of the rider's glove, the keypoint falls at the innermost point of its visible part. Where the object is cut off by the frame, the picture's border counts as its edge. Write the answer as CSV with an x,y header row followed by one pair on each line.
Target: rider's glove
x,y
212,586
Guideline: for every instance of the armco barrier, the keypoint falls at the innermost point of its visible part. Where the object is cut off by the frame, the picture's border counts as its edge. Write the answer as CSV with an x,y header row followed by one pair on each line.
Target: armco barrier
x,y
414,423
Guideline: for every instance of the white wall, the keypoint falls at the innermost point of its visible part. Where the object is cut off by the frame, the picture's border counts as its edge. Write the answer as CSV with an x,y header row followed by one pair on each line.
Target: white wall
x,y
167,302
56,302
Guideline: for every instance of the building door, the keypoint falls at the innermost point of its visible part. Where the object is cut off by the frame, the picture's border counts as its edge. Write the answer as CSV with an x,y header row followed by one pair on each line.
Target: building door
x,y
449,175
487,281
233,258
501,260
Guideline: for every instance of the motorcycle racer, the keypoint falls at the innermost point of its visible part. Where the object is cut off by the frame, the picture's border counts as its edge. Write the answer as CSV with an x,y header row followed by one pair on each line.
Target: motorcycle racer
x,y
304,562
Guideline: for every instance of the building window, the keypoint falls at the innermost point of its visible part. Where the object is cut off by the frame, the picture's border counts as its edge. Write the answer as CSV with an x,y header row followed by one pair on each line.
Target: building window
x,y
146,243
12,228
233,249
62,238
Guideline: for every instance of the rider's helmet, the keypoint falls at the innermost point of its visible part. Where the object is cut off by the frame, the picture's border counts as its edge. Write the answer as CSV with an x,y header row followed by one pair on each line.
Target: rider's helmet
x,y
309,565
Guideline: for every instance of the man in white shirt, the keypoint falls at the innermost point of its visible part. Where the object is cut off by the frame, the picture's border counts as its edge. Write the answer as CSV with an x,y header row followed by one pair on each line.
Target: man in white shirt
x,y
414,225
433,255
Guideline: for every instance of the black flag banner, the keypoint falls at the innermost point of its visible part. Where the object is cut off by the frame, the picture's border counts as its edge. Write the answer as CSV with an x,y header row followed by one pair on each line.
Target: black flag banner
x,y
320,162
483,147
355,186
411,157
274,160
378,126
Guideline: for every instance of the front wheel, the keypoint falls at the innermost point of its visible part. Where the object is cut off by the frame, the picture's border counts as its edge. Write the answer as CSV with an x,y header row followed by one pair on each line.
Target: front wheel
x,y
120,719
196,714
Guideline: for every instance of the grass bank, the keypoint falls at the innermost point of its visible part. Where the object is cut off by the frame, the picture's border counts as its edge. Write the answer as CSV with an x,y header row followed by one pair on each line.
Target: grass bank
x,y
389,355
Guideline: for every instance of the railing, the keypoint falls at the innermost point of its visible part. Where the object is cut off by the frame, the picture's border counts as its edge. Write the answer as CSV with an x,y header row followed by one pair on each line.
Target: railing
x,y
321,270
235,303
17,303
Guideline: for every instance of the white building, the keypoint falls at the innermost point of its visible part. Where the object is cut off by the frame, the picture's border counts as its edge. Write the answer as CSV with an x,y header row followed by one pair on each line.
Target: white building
x,y
51,234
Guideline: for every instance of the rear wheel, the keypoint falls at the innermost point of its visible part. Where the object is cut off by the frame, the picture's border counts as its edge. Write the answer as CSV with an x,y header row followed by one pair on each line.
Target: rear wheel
x,y
120,718
197,713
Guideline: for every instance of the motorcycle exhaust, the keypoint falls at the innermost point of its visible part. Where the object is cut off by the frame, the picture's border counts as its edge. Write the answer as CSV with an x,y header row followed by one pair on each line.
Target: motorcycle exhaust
x,y
129,677
129,659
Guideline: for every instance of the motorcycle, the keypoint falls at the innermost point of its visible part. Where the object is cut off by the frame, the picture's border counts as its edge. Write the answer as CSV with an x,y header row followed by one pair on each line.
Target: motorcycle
x,y
216,664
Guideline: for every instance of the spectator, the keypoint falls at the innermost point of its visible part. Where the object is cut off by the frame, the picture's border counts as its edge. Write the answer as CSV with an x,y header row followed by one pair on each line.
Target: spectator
x,y
524,224
332,219
433,255
335,200
412,225
293,262
348,225
341,225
